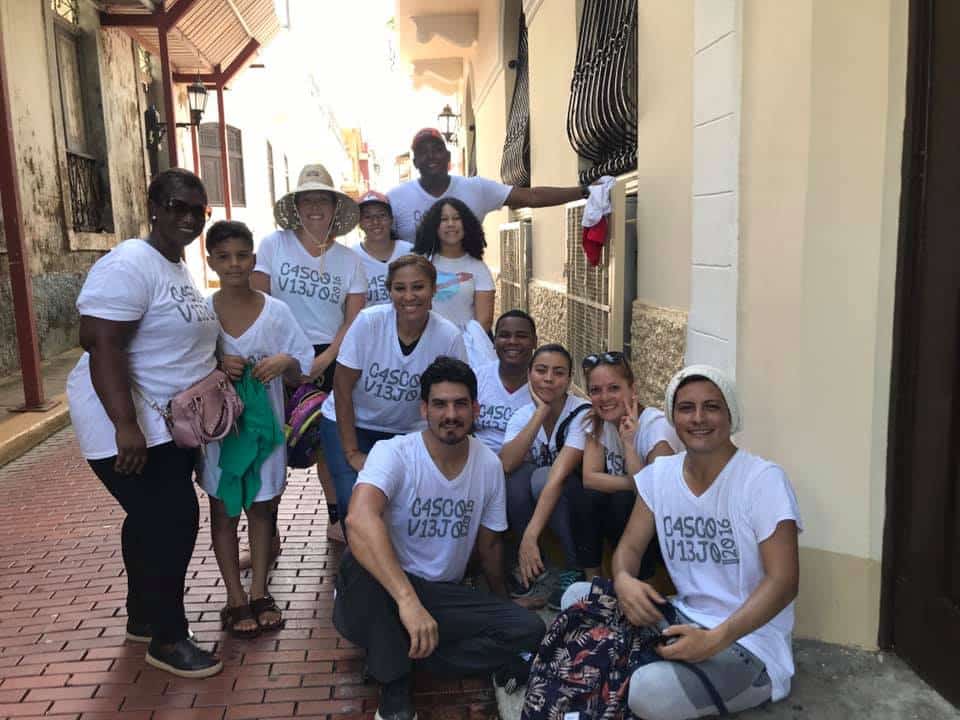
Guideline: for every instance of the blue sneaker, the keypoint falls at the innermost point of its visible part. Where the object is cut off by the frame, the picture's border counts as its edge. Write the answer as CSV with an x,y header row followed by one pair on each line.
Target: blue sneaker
x,y
565,578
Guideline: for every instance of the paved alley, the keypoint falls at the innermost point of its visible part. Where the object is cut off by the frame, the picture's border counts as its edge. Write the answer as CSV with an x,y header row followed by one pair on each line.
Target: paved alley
x,y
62,650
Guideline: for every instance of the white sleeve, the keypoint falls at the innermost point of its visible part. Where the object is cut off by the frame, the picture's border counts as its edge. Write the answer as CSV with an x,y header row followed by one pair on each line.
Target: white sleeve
x,y
457,348
383,469
577,432
494,515
770,499
265,254
645,482
517,422
493,195
294,342
114,290
657,431
483,278
358,281
351,349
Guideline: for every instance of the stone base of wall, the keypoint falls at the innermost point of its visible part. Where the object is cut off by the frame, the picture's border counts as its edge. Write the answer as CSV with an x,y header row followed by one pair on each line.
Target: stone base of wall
x,y
54,305
548,307
658,341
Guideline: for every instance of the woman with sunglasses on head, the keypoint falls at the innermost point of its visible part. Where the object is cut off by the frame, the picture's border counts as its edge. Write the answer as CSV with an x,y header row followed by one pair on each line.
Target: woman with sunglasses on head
x,y
621,437
452,238
148,335
380,245
541,457
321,280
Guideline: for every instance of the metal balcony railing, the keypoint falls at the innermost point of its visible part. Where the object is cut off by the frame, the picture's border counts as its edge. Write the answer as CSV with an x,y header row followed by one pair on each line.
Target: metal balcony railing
x,y
602,115
515,165
86,197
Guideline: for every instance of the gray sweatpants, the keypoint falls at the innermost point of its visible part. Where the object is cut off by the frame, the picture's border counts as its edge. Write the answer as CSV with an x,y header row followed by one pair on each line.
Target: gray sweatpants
x,y
666,690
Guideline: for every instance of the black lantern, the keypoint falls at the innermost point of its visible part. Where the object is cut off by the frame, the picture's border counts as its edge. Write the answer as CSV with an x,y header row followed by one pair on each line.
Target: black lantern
x,y
449,121
197,100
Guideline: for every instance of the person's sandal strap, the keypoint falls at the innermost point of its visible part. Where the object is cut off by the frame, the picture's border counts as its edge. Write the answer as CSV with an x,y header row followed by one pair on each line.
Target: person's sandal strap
x,y
230,617
264,605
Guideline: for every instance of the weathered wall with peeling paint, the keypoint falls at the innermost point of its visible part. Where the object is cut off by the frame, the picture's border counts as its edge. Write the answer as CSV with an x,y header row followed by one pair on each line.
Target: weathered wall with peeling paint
x,y
60,257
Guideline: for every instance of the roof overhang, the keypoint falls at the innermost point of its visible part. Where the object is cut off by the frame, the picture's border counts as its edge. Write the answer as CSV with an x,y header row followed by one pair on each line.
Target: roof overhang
x,y
212,39
437,39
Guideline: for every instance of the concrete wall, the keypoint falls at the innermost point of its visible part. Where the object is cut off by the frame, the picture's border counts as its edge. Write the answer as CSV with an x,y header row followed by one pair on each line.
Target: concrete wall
x,y
823,105
60,257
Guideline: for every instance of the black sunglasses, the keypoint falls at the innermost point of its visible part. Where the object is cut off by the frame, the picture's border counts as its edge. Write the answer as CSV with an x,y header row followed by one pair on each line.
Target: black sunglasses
x,y
179,207
608,358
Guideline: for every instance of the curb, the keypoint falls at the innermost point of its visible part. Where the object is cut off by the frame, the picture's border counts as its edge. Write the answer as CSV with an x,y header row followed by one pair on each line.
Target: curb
x,y
23,431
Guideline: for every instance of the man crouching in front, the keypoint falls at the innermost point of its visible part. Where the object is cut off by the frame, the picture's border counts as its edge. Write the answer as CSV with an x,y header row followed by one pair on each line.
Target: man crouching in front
x,y
421,504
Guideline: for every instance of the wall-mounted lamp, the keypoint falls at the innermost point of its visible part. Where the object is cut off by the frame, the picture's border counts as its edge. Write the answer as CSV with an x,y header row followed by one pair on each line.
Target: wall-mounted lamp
x,y
197,101
449,121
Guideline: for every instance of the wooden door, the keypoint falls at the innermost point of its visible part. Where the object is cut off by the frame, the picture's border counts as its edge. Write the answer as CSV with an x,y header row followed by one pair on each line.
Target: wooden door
x,y
922,537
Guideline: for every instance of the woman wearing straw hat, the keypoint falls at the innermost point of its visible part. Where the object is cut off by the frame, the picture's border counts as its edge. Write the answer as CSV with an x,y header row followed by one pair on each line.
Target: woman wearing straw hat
x,y
321,281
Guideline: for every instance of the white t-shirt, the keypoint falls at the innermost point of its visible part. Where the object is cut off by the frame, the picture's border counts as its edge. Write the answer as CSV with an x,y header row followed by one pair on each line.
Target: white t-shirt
x,y
274,331
711,546
409,201
496,405
314,288
172,348
432,521
543,451
457,280
376,271
387,394
652,428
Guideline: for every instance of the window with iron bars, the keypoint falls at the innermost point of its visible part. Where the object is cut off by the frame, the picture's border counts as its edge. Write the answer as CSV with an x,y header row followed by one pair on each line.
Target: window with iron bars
x,y
68,10
515,265
515,164
602,113
588,296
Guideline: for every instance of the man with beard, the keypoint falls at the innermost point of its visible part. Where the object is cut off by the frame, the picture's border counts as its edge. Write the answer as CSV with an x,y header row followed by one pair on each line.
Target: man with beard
x,y
410,200
502,385
421,504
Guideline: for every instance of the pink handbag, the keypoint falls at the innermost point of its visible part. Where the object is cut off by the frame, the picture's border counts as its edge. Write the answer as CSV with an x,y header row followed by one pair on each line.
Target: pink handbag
x,y
202,413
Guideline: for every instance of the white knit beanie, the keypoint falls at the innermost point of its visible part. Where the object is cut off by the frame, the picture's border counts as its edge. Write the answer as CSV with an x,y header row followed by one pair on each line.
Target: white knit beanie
x,y
719,378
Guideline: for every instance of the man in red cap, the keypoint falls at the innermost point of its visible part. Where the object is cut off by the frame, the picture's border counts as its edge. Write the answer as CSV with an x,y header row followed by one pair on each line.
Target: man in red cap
x,y
410,200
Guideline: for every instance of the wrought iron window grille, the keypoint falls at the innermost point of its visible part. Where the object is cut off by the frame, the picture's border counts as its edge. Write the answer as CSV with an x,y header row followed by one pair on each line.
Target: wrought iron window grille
x,y
602,114
86,192
67,10
515,164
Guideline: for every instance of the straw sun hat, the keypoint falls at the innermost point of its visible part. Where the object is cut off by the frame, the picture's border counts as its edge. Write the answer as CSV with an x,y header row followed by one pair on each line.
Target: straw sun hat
x,y
315,177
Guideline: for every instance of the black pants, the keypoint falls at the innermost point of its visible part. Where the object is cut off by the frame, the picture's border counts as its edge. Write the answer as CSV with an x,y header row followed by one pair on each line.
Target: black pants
x,y
158,535
479,632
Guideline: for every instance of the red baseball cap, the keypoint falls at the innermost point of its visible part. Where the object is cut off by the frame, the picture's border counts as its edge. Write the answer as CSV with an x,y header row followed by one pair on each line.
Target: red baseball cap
x,y
427,134
372,196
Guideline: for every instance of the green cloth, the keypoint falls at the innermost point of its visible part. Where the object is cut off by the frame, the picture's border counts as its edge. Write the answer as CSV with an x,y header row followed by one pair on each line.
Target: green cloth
x,y
243,451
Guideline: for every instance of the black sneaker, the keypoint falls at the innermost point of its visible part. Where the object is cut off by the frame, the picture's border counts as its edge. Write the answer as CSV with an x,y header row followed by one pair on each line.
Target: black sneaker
x,y
513,676
396,701
184,659
539,586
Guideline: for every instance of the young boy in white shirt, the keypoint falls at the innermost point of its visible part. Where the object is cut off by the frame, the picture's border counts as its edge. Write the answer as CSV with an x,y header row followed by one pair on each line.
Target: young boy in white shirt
x,y
260,331
421,504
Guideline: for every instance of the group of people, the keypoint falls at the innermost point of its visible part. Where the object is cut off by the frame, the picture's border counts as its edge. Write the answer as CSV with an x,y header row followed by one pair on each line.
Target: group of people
x,y
436,444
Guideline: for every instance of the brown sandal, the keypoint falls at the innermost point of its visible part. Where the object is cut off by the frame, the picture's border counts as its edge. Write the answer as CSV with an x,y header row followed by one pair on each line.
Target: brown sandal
x,y
263,605
230,617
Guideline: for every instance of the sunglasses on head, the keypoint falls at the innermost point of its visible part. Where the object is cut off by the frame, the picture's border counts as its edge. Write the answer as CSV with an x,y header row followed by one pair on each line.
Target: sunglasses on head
x,y
608,358
179,207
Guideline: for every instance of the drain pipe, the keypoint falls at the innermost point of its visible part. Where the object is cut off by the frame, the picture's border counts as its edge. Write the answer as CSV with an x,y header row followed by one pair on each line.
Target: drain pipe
x,y
18,254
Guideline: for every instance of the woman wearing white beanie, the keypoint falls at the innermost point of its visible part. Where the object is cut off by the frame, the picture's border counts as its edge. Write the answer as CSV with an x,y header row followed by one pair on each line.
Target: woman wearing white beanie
x,y
727,523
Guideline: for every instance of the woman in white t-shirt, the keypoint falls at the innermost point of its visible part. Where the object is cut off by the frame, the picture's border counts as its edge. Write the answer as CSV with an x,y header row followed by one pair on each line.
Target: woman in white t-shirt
x,y
451,237
622,437
321,280
148,335
541,455
377,384
380,246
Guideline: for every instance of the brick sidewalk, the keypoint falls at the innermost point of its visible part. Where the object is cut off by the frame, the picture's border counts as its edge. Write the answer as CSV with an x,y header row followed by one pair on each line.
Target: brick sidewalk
x,y
62,650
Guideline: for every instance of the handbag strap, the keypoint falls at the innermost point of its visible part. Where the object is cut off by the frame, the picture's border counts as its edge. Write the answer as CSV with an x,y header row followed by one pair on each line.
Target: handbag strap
x,y
708,686
164,412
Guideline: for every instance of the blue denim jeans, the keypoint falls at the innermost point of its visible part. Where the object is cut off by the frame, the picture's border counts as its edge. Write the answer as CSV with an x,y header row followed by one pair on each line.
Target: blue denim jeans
x,y
343,475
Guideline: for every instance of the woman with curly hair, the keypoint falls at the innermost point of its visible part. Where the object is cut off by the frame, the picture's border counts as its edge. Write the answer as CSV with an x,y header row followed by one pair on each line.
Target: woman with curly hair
x,y
451,237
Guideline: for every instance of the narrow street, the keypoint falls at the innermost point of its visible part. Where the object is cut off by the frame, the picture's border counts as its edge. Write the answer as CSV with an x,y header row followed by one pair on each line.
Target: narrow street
x,y
62,648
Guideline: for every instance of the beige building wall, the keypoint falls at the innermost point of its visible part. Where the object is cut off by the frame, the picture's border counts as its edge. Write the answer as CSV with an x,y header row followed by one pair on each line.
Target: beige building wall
x,y
823,107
